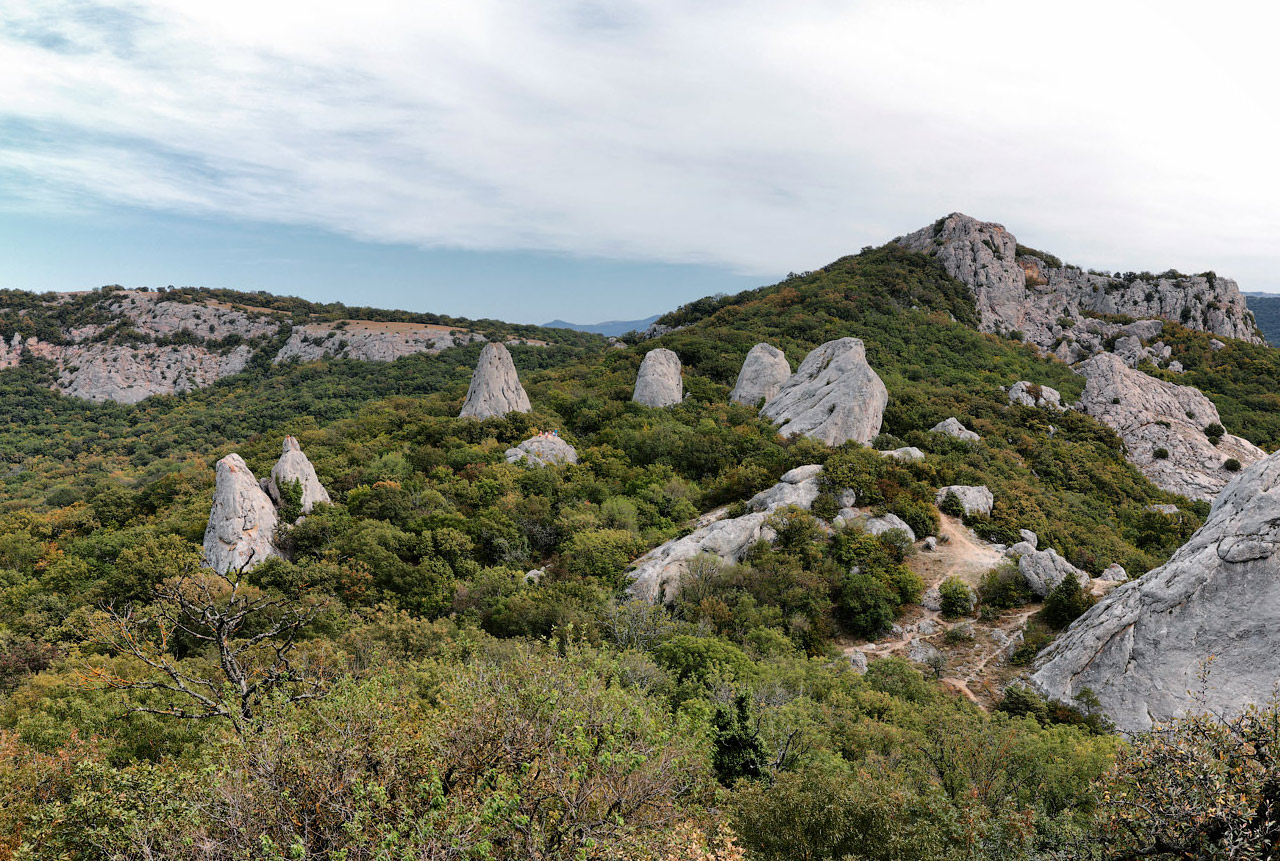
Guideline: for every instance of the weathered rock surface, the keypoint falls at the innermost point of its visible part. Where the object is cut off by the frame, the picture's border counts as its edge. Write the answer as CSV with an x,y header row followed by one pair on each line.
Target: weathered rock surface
x,y
126,375
952,427
370,341
1029,537
798,486
656,575
1154,417
1140,649
495,387
242,522
976,499
1045,569
1048,302
293,465
659,384
762,375
543,450
909,453
1032,395
833,397
881,525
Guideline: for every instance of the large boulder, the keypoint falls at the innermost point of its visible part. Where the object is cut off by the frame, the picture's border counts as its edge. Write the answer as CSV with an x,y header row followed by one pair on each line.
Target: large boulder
x,y
495,387
976,499
659,383
833,397
242,522
1163,427
656,575
1033,395
881,525
1214,604
542,450
1044,570
762,375
292,466
951,427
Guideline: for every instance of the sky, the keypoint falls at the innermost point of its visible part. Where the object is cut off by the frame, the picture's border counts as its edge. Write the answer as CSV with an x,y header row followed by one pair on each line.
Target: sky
x,y
610,159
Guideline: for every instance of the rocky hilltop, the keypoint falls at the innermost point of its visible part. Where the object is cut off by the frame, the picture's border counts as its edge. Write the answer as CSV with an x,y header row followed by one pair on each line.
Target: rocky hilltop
x,y
1213,606
126,345
1054,306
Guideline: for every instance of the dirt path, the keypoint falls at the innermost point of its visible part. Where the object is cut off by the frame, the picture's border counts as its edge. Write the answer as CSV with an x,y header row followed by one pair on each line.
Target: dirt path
x,y
959,554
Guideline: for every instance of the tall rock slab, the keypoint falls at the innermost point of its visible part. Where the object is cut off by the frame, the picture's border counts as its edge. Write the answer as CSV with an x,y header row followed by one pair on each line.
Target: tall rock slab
x,y
834,396
1141,648
1163,427
292,466
1017,289
495,387
242,522
658,384
763,373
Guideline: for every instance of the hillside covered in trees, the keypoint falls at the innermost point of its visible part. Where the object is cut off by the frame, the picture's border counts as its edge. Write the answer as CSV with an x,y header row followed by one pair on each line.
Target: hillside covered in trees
x,y
446,662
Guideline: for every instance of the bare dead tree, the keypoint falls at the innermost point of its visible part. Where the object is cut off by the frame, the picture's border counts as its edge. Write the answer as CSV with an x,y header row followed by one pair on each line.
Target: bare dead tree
x,y
251,633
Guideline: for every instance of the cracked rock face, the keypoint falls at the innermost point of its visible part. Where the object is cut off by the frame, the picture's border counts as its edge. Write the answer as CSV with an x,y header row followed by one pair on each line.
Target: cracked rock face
x,y
1141,648
495,387
544,450
1044,570
1049,303
242,522
656,575
659,384
1157,418
833,397
293,465
762,375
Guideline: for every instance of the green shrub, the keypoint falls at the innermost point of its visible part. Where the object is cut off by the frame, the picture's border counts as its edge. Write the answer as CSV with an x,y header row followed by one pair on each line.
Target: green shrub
x,y
957,598
951,505
1004,587
1066,603
866,606
1160,454
921,515
1231,465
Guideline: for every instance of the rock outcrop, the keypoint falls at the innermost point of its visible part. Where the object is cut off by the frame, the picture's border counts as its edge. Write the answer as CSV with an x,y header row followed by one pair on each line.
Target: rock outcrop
x,y
242,522
1030,292
370,341
1033,395
976,499
881,525
126,375
833,397
495,387
656,575
952,428
1045,569
292,466
1163,427
542,450
908,453
762,375
659,384
1141,648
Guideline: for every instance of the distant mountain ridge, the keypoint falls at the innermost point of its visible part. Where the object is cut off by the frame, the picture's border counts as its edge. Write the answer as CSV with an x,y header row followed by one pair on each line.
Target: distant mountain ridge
x,y
609,327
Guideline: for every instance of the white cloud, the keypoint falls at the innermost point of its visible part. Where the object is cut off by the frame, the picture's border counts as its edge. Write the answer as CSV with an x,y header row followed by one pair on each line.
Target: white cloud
x,y
762,136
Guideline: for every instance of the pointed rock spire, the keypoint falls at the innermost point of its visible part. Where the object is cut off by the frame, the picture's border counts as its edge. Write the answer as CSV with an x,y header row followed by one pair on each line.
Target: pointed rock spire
x,y
762,375
659,384
495,386
833,397
242,521
293,465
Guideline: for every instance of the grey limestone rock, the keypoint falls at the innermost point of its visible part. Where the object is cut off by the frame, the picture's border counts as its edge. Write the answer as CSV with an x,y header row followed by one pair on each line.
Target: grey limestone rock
x,y
1163,508
975,499
762,375
242,521
542,450
909,453
858,660
930,544
1114,573
495,387
881,525
952,427
370,341
293,465
1048,303
1030,537
798,486
1162,425
923,652
1032,395
833,397
1142,647
1045,569
658,384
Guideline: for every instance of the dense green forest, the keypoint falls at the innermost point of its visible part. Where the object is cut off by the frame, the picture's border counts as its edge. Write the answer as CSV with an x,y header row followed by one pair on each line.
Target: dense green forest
x,y
398,687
